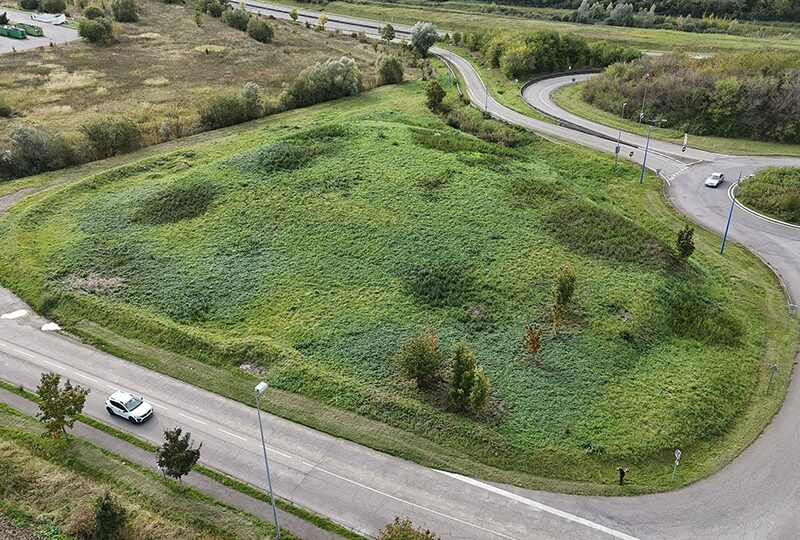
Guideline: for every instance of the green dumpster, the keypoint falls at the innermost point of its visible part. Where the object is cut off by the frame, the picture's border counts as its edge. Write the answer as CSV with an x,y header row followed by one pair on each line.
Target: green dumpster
x,y
10,31
30,29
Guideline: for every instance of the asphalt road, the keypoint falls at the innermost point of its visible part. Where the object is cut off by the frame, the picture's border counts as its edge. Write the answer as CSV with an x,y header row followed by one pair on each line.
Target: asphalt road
x,y
756,496
55,34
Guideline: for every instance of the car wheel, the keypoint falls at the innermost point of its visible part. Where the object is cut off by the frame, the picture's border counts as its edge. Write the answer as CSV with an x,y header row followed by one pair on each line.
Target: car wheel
x,y
110,411
132,420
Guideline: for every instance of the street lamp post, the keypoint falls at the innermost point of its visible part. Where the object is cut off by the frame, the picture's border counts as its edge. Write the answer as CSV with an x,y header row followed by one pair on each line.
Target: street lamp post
x,y
260,388
730,214
641,112
619,135
647,146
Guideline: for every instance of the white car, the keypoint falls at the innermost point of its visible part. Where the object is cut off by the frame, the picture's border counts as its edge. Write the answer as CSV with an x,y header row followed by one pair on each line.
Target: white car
x,y
128,406
715,179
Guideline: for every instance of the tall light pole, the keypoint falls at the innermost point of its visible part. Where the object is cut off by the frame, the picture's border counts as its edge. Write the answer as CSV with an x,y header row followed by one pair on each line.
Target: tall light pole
x,y
647,145
730,214
619,135
641,112
260,388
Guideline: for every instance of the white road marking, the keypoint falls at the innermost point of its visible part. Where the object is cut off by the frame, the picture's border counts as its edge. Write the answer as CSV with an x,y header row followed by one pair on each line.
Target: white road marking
x,y
543,507
193,419
232,434
84,376
3,345
415,505
270,449
14,314
114,388
157,405
53,364
25,353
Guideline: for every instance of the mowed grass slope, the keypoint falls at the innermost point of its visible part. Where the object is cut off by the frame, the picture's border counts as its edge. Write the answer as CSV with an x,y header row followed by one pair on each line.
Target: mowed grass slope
x,y
313,246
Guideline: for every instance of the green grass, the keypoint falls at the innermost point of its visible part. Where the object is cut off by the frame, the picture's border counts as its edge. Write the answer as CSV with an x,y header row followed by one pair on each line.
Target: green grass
x,y
774,191
315,267
645,39
52,481
569,98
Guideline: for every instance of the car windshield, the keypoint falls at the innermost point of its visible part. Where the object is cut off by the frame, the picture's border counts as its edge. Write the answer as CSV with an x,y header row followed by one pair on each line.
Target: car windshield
x,y
715,175
133,403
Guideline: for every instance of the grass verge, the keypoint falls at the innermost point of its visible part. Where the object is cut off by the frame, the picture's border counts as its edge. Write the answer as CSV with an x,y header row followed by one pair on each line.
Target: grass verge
x,y
774,191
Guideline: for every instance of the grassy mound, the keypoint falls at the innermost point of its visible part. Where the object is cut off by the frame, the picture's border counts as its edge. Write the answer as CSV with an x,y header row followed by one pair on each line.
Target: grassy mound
x,y
774,191
315,246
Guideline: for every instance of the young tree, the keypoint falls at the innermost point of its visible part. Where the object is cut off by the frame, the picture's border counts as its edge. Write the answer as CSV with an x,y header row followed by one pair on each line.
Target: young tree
x,y
532,341
419,358
294,15
177,455
434,94
253,104
387,33
108,516
124,10
423,36
563,289
59,407
463,377
390,69
479,395
404,530
685,243
322,21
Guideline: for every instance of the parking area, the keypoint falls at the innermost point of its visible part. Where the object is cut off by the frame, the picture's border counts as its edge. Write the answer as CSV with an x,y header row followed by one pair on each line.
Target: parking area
x,y
58,34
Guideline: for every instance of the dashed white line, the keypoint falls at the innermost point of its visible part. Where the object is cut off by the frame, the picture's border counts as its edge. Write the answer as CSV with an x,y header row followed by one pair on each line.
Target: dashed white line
x,y
3,345
232,434
53,364
272,450
192,419
157,405
25,353
84,376
114,388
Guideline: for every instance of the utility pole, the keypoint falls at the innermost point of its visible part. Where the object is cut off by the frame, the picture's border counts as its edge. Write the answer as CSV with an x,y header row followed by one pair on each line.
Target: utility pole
x,y
646,84
619,135
730,214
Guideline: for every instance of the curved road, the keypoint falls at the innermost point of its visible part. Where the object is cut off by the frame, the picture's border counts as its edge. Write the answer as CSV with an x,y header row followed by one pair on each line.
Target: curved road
x,y
756,496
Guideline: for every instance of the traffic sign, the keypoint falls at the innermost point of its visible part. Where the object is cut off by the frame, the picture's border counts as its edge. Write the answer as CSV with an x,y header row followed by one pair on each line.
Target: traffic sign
x,y
683,148
631,154
677,455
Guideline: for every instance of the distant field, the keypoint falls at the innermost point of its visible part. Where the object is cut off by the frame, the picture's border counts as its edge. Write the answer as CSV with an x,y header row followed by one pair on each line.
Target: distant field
x,y
306,246
161,67
653,40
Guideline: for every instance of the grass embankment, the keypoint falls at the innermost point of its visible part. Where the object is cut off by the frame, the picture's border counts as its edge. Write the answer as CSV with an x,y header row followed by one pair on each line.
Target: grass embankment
x,y
569,98
645,39
774,191
49,485
161,68
310,246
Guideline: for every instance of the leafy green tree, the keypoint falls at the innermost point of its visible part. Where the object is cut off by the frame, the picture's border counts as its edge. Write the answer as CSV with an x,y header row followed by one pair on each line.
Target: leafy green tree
x,y
259,30
390,69
236,18
59,407
434,94
324,81
419,358
109,516
463,377
294,14
97,30
387,33
253,104
622,15
423,36
177,455
563,289
685,243
404,530
124,10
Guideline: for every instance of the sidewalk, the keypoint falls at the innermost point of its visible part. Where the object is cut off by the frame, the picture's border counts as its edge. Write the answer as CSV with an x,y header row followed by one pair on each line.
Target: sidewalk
x,y
200,482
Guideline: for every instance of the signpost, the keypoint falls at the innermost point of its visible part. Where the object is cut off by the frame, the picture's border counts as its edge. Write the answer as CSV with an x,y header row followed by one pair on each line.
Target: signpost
x,y
773,369
677,462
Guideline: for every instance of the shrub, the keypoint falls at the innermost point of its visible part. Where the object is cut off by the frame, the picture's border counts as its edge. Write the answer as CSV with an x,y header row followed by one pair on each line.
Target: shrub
x,y
294,14
251,95
124,10
222,111
563,289
31,151
685,243
111,136
479,395
93,12
5,108
52,6
390,69
29,4
463,376
322,21
236,18
259,30
419,358
434,94
97,30
532,341
423,36
324,81
109,516
387,33
404,530
213,8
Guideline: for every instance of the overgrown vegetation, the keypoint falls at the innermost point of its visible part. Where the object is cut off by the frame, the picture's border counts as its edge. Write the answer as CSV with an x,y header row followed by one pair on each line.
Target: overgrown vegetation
x,y
748,95
774,191
317,267
324,81
403,529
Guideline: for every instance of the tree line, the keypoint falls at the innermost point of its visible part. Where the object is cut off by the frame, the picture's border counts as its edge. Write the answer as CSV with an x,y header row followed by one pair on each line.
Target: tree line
x,y
754,95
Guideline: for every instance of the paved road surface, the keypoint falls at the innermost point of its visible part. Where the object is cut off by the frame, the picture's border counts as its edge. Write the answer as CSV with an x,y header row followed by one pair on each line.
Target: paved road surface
x,y
58,34
754,497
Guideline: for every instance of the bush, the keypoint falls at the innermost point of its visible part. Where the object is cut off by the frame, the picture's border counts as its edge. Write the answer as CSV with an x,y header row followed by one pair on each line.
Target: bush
x,y
5,108
685,243
109,516
324,81
419,358
124,10
463,376
404,530
97,30
251,95
52,6
259,30
390,69
532,341
434,94
31,151
29,4
93,12
236,18
423,36
563,289
213,8
222,111
111,136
